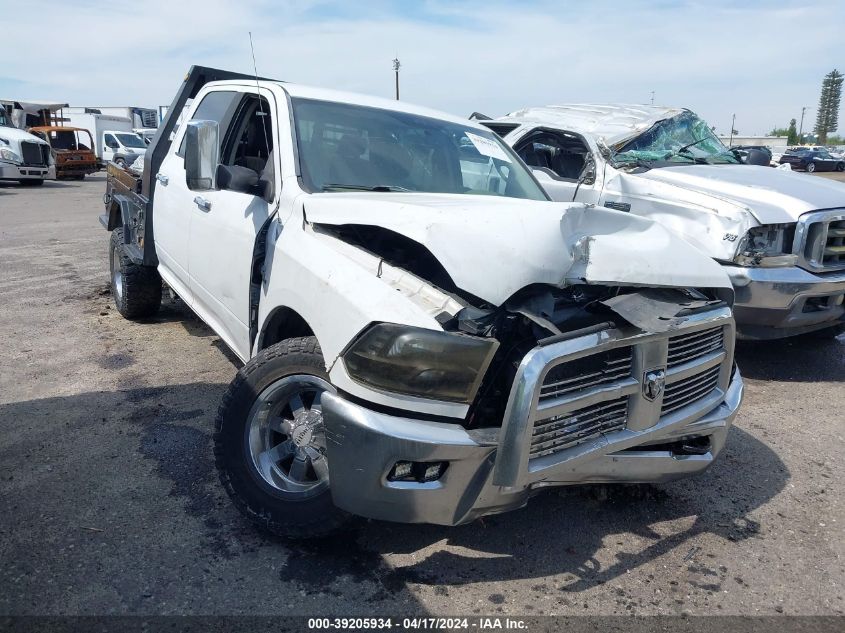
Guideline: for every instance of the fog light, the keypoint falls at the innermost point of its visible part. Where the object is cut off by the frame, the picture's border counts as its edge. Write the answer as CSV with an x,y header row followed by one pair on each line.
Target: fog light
x,y
420,472
433,472
402,470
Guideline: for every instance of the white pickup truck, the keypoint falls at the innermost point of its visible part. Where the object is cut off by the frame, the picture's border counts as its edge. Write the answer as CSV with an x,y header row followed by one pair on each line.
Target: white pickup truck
x,y
780,236
427,337
23,156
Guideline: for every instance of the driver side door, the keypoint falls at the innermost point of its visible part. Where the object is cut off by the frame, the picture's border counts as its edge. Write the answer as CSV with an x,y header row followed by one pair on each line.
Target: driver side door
x,y
225,222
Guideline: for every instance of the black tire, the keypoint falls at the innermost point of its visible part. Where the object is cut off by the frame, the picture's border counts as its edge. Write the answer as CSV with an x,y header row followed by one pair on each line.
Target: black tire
x,y
136,289
120,163
840,166
31,183
292,515
811,167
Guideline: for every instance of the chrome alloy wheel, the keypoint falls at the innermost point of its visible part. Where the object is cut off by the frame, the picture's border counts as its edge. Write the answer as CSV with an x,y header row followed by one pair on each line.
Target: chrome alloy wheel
x,y
286,438
116,275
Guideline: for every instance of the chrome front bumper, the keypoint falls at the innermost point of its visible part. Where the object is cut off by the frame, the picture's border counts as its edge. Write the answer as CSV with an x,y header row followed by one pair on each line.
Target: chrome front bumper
x,y
779,302
492,470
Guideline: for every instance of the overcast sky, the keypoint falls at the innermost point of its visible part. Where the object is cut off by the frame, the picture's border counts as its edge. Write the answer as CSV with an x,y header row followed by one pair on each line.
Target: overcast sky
x,y
760,59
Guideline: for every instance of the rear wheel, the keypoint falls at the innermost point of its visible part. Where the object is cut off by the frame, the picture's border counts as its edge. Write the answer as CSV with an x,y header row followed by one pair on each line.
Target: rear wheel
x,y
270,442
840,166
136,289
811,167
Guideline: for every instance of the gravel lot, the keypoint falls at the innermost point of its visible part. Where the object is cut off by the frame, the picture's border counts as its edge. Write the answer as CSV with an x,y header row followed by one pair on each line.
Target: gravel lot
x,y
111,505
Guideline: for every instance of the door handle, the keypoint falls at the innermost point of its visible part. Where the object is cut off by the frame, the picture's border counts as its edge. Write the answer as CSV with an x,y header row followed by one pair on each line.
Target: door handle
x,y
162,178
202,203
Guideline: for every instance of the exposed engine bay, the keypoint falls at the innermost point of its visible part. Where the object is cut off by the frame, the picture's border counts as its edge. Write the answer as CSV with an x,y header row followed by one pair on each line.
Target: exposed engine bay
x,y
538,314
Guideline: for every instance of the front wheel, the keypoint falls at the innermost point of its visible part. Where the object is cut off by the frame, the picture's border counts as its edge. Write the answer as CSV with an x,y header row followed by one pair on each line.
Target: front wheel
x,y
840,166
811,167
270,442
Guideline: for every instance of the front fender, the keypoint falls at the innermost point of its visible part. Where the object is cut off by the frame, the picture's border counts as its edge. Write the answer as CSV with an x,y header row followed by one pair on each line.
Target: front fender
x,y
339,290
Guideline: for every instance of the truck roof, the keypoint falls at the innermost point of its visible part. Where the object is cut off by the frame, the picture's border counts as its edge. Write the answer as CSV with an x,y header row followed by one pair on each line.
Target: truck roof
x,y
339,96
57,128
612,122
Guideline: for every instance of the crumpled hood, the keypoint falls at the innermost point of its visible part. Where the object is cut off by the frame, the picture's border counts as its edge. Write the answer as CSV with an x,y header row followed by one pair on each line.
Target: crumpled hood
x,y
492,247
773,196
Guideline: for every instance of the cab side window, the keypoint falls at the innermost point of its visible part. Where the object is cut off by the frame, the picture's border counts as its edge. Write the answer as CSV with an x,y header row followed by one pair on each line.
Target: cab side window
x,y
563,154
246,153
249,140
111,141
217,106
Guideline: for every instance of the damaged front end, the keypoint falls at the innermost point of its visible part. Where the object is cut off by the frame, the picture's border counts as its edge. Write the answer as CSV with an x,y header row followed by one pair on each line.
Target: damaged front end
x,y
584,383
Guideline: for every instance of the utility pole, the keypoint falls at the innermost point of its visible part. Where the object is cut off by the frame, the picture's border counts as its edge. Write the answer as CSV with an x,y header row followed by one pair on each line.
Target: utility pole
x,y
396,66
652,97
801,127
733,122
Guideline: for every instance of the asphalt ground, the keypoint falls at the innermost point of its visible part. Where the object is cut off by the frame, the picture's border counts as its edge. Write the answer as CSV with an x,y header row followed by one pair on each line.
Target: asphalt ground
x,y
110,504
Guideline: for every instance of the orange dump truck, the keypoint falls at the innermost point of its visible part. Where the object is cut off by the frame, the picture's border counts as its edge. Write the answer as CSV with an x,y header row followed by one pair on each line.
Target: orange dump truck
x,y
72,148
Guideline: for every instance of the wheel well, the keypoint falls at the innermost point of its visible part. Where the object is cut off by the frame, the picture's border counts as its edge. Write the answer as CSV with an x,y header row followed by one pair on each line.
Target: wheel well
x,y
283,323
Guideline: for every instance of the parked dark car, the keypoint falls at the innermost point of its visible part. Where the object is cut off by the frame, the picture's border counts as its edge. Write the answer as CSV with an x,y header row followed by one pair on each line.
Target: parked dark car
x,y
741,151
813,160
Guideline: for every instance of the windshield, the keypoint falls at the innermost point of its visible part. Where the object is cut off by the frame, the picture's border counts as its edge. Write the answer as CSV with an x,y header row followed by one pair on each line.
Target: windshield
x,y
345,147
130,140
683,139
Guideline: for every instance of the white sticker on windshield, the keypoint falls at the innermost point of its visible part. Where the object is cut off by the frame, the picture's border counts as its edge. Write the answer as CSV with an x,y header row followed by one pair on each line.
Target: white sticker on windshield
x,y
486,147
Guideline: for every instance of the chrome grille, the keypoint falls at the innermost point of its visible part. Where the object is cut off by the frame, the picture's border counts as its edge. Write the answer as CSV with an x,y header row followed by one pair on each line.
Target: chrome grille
x,y
684,348
589,372
833,254
567,430
820,240
32,154
689,390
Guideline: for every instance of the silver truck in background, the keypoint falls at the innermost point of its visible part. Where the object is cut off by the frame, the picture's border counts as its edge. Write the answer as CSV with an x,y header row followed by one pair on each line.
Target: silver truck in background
x,y
780,236
426,337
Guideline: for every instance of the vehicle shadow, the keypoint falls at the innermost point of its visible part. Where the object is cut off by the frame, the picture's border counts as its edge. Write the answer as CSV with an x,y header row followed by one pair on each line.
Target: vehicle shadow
x,y
797,359
127,476
562,532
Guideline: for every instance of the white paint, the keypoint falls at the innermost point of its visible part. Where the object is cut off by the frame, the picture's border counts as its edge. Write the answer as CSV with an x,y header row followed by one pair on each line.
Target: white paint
x,y
705,204
490,246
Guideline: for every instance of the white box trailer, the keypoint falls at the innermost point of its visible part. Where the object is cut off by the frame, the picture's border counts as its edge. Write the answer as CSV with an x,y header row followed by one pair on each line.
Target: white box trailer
x,y
140,117
99,125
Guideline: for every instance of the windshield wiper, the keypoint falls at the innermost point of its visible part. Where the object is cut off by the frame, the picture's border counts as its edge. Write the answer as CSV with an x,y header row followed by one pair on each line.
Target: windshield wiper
x,y
685,153
334,186
688,145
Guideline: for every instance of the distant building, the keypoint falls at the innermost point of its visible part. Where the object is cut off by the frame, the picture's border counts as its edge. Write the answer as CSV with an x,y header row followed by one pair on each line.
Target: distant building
x,y
772,142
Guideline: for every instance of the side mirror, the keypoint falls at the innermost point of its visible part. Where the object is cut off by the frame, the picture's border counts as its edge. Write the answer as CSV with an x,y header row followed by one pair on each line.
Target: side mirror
x,y
202,154
757,157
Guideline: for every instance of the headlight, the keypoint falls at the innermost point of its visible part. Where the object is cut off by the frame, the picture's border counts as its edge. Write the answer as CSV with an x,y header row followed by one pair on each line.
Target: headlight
x,y
9,156
767,245
420,362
